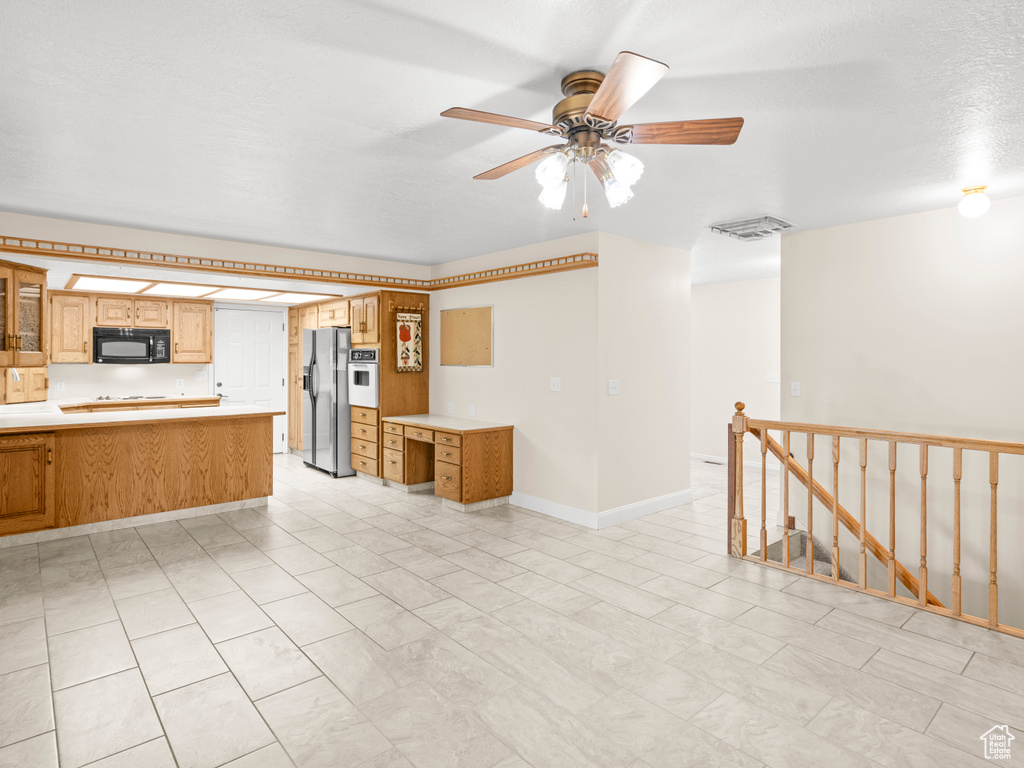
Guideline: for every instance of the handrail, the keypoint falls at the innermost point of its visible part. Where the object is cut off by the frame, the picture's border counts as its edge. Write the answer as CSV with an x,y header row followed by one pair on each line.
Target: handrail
x,y
895,571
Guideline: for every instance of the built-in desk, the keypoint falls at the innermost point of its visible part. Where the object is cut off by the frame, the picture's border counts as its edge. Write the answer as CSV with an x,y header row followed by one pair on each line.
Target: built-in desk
x,y
469,461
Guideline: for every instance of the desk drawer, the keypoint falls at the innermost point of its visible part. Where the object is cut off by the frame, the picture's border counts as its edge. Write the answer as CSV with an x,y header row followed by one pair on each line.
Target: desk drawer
x,y
364,448
394,465
448,481
447,438
415,433
447,454
364,432
364,415
365,465
394,429
393,442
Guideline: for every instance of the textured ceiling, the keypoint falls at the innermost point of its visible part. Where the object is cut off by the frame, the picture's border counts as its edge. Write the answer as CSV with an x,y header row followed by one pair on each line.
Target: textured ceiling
x,y
315,124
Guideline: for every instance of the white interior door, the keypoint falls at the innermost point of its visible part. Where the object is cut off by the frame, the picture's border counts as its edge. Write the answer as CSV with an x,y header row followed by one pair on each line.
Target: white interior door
x,y
249,362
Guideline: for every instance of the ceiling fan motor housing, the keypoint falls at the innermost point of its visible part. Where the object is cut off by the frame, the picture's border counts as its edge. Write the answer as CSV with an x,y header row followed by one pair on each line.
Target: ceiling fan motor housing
x,y
579,89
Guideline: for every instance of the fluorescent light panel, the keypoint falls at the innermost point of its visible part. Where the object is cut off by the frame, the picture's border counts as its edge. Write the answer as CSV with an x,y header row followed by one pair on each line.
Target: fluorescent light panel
x,y
178,289
111,284
295,298
247,294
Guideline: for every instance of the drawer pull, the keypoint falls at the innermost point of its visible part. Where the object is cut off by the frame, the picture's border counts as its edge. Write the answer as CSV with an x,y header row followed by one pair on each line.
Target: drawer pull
x,y
445,439
445,477
446,453
392,462
362,463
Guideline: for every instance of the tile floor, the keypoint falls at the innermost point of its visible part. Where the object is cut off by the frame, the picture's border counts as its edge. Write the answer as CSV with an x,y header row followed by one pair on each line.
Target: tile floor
x,y
351,625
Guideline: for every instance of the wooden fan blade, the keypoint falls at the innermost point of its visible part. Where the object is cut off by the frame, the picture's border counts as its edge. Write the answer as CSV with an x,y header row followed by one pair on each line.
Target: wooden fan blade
x,y
720,131
491,118
630,77
515,165
600,168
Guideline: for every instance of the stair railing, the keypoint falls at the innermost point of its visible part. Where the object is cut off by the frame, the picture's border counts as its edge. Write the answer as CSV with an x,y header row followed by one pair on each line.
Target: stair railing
x,y
868,544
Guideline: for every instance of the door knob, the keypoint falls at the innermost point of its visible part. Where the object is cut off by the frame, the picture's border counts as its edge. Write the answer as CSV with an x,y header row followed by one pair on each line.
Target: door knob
x,y
219,384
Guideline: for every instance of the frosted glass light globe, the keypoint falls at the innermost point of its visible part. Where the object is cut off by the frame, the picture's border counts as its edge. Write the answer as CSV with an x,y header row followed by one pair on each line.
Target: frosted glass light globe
x,y
626,168
551,170
553,196
974,203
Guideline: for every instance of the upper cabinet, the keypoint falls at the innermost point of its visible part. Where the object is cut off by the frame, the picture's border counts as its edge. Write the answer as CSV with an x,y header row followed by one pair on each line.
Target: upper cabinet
x,y
192,332
70,328
364,313
120,312
309,318
23,321
334,313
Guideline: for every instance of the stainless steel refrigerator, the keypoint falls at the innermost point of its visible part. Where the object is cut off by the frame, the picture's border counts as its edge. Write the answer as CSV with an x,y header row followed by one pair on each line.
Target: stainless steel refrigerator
x,y
326,427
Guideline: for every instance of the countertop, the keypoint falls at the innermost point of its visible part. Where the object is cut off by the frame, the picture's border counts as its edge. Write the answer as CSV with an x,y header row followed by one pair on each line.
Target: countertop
x,y
433,421
47,416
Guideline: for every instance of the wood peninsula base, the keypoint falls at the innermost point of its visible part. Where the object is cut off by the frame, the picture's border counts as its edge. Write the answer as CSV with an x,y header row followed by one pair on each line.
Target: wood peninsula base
x,y
468,461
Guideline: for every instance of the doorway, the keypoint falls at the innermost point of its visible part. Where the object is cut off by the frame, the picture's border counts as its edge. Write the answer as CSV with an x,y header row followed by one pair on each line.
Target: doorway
x,y
248,360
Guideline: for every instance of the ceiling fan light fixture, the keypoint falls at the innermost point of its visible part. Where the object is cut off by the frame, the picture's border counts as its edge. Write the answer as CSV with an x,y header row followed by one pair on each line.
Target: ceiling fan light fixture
x,y
554,195
616,191
551,170
626,168
974,202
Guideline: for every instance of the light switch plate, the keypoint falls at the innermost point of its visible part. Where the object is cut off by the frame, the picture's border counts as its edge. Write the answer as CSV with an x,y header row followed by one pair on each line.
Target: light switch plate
x,y
451,407
472,411
556,384
613,386
179,383
794,389
60,386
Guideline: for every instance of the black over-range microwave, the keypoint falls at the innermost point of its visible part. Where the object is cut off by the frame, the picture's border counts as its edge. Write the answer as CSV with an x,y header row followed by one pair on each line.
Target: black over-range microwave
x,y
131,345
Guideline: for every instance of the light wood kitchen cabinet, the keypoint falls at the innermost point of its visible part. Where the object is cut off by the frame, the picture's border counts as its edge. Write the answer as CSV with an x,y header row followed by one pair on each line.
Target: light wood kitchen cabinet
x,y
31,386
70,328
309,318
113,312
24,323
294,336
295,397
26,482
192,332
152,313
334,314
121,312
364,313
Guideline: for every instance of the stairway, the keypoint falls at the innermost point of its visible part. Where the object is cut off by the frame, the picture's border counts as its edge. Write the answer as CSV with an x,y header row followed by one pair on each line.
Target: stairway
x,y
798,555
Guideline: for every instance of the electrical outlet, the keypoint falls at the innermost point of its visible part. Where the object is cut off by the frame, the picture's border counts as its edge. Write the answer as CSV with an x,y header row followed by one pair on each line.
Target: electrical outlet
x,y
60,386
772,378
556,384
179,383
794,389
451,407
472,411
613,386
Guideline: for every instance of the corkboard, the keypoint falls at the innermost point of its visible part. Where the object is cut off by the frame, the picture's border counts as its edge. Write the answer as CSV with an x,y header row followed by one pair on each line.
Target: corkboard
x,y
466,336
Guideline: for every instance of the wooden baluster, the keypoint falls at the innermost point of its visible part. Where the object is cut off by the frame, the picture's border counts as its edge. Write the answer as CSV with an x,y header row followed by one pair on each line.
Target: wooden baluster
x,y
810,504
835,508
764,494
922,589
785,498
739,524
863,564
958,469
892,519
993,589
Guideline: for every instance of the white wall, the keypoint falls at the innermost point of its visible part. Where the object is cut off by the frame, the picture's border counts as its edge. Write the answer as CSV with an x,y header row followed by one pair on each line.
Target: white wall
x,y
544,326
916,323
736,341
644,343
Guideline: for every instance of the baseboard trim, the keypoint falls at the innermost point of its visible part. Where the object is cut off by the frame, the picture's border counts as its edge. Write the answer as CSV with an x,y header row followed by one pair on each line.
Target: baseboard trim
x,y
70,531
598,520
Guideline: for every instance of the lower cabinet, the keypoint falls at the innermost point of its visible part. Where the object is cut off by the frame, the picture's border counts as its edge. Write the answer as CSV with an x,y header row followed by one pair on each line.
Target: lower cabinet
x,y
26,482
365,447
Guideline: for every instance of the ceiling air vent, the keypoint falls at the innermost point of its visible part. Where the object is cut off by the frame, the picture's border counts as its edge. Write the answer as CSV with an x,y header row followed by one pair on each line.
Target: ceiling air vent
x,y
752,229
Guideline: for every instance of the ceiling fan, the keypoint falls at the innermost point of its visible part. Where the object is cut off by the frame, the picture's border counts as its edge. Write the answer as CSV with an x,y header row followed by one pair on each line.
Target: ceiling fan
x,y
587,118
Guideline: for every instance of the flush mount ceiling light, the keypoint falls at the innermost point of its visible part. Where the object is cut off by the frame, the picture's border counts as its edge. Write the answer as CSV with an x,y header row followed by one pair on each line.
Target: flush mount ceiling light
x,y
974,203
588,117
241,293
179,290
99,284
109,284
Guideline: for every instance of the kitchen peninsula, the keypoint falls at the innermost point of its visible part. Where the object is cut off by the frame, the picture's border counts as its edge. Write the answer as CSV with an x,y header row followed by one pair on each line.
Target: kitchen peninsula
x,y
59,469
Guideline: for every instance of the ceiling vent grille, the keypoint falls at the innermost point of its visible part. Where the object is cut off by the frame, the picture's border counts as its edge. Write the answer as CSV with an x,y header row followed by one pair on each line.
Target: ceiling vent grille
x,y
752,229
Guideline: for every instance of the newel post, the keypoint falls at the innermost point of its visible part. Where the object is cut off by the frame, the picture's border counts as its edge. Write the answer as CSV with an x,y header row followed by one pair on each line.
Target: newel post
x,y
737,524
